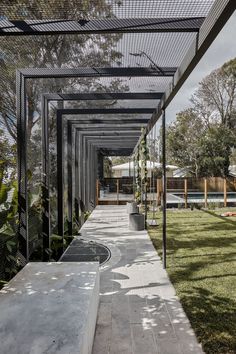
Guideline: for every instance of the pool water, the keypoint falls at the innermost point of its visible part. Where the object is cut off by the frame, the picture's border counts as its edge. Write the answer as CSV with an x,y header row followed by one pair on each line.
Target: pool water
x,y
210,195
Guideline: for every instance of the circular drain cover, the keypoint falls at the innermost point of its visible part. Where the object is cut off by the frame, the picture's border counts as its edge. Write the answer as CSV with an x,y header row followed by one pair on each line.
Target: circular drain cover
x,y
81,250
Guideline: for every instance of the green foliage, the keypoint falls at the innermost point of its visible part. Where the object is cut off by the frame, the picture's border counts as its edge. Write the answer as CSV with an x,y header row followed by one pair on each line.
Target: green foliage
x,y
107,165
214,101
182,138
203,137
211,205
144,156
8,209
86,215
137,186
118,160
215,149
8,247
57,245
203,150
198,206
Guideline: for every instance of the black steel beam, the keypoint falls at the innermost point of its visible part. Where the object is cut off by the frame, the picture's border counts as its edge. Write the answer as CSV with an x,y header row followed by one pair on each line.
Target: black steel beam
x,y
103,26
40,73
97,96
80,111
116,152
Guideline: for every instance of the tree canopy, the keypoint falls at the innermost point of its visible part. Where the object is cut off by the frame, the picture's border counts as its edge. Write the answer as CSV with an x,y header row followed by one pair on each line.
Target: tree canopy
x,y
203,137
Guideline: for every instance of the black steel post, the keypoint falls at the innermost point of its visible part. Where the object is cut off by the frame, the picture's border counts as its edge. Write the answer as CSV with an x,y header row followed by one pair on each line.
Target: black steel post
x,y
46,229
69,178
60,174
134,176
164,187
76,179
23,209
100,166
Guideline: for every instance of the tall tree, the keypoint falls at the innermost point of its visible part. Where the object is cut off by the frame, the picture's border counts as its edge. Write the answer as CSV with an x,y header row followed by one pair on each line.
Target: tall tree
x,y
183,141
215,148
215,99
202,138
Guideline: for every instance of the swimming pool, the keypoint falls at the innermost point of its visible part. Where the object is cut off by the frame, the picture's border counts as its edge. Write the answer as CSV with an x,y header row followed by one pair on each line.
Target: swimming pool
x,y
210,195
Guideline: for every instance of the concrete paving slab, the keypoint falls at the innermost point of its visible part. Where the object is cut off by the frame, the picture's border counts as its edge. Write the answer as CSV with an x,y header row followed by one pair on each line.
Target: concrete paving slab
x,y
144,314
50,308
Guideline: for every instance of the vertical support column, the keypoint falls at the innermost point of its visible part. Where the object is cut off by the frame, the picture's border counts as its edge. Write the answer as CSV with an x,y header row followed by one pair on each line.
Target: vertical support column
x,y
69,178
60,175
158,192
117,190
86,185
92,178
186,193
164,188
84,174
81,180
46,226
95,173
93,169
225,192
100,166
23,209
205,191
76,177
88,179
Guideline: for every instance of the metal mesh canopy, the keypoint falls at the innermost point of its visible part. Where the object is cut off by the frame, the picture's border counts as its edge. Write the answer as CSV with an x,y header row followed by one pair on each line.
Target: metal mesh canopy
x,y
74,9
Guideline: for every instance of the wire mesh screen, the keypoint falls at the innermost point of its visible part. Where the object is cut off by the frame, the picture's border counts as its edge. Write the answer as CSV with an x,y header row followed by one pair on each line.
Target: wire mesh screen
x,y
61,9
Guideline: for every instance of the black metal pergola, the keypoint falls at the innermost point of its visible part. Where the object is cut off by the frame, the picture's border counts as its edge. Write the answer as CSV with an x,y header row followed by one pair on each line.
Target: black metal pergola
x,y
159,44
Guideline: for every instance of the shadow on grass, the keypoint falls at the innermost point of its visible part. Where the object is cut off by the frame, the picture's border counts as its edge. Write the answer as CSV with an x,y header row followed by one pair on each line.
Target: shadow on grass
x,y
224,219
212,318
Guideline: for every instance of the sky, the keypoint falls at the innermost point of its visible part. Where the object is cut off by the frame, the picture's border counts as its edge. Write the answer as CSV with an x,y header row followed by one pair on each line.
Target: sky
x,y
222,49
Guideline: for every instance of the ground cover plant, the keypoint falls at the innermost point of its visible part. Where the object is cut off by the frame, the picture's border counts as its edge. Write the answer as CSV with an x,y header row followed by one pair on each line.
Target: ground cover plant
x,y
201,263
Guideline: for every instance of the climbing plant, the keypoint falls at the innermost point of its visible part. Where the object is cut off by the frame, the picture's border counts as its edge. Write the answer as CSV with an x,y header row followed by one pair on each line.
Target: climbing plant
x,y
137,178
140,159
144,155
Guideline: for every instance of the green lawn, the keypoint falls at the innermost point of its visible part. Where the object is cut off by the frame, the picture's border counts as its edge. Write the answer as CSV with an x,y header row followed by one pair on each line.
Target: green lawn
x,y
201,262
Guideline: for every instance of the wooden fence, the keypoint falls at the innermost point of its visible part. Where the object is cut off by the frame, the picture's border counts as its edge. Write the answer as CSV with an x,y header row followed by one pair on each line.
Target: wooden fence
x,y
124,185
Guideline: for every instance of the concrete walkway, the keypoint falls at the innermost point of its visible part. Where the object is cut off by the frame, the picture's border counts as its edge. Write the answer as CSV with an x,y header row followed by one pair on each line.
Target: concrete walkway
x,y
139,312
